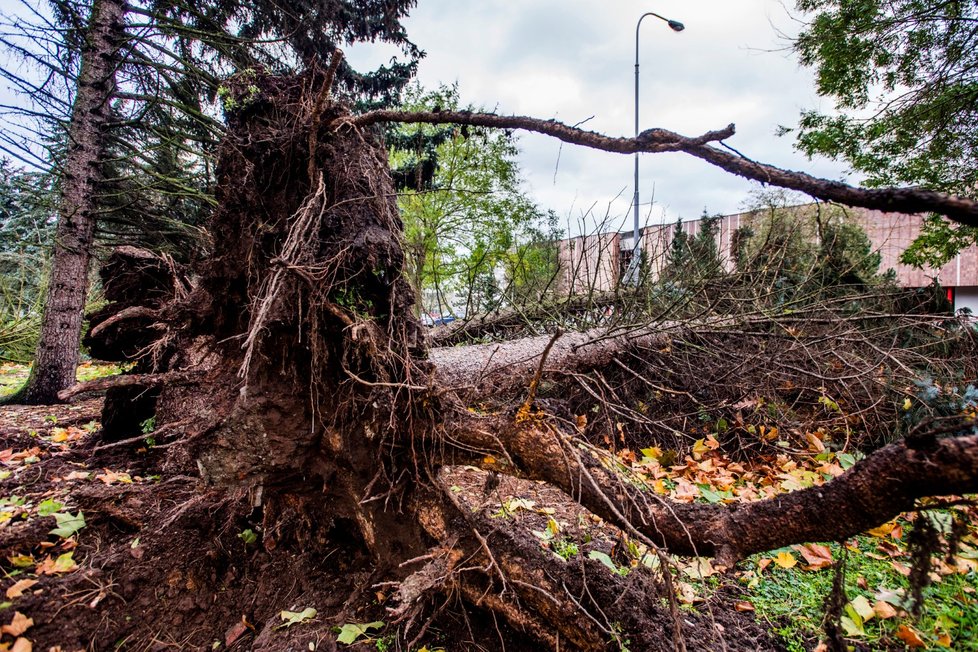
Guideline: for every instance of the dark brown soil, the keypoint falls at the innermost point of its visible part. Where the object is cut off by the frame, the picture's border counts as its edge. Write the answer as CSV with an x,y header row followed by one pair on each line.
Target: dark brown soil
x,y
162,563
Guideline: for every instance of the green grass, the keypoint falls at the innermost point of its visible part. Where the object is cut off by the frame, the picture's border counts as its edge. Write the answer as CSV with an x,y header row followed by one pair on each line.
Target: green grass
x,y
13,376
792,600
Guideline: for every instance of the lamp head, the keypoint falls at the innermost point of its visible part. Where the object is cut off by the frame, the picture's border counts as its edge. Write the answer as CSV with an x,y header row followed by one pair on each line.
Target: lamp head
x,y
676,26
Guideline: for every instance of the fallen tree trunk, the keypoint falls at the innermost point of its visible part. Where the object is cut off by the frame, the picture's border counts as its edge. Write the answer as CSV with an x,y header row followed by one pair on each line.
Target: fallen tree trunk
x,y
322,411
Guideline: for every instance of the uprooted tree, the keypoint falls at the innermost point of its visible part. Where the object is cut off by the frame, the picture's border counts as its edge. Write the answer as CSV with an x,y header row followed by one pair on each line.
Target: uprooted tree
x,y
294,380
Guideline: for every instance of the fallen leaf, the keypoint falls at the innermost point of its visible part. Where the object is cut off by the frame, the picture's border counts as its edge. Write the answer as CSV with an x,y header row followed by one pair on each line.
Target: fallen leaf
x,y
78,475
18,588
111,477
785,560
22,645
900,568
817,556
686,593
296,617
743,605
883,531
63,564
763,563
910,636
862,607
68,524
350,632
944,640
884,610
18,625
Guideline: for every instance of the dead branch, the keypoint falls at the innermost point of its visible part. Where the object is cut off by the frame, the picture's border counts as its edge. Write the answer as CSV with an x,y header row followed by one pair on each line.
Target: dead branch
x,y
131,380
132,312
900,200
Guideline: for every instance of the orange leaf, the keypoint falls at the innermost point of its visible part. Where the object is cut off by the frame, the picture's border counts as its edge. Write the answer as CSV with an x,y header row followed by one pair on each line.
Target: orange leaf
x,y
743,605
18,625
900,568
909,636
22,645
944,640
18,588
884,530
763,563
817,556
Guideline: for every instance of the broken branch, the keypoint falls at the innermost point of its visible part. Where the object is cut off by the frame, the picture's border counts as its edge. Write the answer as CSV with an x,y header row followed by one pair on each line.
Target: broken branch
x,y
901,200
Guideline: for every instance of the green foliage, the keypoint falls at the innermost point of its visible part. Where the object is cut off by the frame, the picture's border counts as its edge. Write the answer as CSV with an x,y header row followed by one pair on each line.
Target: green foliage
x,y
26,231
793,600
248,536
904,76
467,220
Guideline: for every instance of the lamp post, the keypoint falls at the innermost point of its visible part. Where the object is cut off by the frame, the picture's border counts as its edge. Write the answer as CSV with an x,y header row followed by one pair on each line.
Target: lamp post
x,y
633,267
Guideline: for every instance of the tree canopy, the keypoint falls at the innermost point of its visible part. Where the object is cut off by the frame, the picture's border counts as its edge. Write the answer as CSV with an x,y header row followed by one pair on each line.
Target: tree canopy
x,y
904,77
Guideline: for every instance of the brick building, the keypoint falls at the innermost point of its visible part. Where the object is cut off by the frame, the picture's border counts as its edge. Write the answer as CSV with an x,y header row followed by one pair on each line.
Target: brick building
x,y
595,262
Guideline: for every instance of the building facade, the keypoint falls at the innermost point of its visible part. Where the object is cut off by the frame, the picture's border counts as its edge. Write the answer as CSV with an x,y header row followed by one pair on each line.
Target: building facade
x,y
595,263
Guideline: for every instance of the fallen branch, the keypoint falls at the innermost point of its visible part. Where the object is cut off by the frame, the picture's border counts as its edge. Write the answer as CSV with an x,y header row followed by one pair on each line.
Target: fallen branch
x,y
133,312
900,200
129,380
875,490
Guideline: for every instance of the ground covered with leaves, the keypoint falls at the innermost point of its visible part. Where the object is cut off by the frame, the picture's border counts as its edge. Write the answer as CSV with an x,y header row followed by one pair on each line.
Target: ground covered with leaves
x,y
82,523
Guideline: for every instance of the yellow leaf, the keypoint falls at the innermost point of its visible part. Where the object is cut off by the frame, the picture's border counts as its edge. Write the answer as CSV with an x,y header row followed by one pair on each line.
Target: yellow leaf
x,y
909,636
906,404
944,640
18,588
21,561
884,530
18,625
700,448
785,560
59,435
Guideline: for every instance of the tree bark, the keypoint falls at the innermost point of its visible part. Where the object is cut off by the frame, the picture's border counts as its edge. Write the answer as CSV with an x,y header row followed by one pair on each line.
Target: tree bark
x,y
57,353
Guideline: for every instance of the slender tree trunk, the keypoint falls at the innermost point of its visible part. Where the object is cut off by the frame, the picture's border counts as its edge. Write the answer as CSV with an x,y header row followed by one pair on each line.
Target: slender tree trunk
x,y
56,358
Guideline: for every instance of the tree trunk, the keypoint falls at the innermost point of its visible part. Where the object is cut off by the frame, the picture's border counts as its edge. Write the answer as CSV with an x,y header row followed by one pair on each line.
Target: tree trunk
x,y
57,351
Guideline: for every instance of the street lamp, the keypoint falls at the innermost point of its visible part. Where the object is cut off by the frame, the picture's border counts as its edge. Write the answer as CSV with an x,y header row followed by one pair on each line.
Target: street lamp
x,y
633,266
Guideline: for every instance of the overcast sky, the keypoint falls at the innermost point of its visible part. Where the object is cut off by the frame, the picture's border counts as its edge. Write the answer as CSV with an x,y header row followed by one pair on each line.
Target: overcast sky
x,y
573,59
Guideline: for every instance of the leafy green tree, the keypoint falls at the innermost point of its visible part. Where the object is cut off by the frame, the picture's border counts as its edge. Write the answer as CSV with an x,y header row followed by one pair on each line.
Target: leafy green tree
x,y
463,206
531,268
904,77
